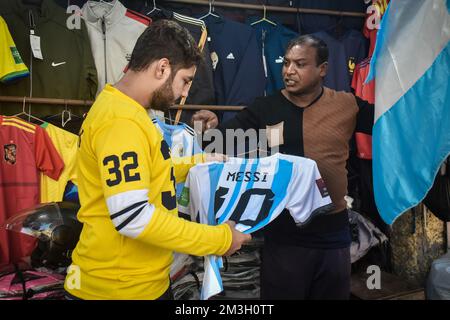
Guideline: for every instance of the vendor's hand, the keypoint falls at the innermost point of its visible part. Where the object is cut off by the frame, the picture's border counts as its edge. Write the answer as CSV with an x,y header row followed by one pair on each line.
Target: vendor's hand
x,y
207,118
210,157
239,239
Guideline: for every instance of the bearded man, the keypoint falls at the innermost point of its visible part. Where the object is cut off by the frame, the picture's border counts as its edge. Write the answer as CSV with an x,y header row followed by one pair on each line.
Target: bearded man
x,y
127,180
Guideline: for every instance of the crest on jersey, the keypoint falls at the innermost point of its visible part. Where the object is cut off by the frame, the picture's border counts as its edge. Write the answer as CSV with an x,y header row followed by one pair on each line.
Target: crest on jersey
x,y
177,150
10,153
322,187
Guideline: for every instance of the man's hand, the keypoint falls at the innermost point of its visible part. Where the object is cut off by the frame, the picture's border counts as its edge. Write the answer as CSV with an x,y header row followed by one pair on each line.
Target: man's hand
x,y
210,157
239,238
207,118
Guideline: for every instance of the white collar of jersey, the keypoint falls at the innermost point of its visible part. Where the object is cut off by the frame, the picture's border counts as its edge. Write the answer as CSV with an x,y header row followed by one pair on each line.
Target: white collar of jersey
x,y
94,11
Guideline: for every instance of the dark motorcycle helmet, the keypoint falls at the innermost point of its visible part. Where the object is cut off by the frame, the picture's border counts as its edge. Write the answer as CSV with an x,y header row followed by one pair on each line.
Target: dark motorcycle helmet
x,y
57,229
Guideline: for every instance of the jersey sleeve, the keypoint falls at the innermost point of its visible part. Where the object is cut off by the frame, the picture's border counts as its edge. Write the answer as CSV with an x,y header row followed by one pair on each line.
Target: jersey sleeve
x,y
48,160
125,173
308,194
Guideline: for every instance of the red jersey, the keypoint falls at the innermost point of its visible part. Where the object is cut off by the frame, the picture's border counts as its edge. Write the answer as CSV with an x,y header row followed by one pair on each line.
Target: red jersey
x,y
365,91
26,150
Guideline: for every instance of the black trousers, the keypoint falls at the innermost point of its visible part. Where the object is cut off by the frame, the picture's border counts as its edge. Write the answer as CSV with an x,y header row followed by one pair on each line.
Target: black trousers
x,y
291,272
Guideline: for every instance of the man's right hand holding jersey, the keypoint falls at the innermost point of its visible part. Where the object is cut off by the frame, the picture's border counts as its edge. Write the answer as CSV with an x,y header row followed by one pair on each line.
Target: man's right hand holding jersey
x,y
239,239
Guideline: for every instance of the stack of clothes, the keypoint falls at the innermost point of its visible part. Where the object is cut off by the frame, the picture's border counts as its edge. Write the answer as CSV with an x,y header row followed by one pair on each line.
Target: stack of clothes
x,y
240,276
31,285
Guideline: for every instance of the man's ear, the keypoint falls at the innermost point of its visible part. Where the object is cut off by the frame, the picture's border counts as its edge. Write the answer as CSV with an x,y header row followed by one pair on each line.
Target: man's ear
x,y
162,69
323,69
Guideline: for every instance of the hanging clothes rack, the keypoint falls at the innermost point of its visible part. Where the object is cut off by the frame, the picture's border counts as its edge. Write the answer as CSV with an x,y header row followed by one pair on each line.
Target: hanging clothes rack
x,y
84,103
236,5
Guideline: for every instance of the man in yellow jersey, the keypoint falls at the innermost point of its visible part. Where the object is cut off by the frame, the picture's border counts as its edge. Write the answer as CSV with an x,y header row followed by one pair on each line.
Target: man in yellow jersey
x,y
127,180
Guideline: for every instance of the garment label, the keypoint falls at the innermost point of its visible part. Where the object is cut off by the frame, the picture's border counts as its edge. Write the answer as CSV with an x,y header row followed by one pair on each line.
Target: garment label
x,y
35,43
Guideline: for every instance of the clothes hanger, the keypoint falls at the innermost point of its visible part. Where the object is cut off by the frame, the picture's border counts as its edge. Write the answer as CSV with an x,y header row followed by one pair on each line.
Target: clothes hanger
x,y
69,116
63,114
29,115
159,117
264,18
155,8
210,12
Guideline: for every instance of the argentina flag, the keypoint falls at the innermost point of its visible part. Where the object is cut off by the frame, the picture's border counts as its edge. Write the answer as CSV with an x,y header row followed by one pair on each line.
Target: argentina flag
x,y
411,133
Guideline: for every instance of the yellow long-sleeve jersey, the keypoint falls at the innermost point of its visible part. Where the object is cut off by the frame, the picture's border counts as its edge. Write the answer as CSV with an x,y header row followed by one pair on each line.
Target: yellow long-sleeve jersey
x,y
128,209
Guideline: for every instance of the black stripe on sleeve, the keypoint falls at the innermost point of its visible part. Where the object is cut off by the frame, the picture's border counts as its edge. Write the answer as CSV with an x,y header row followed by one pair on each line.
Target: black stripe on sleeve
x,y
130,218
121,212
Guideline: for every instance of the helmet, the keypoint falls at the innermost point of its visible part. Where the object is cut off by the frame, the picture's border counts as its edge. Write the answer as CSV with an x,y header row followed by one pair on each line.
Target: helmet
x,y
57,229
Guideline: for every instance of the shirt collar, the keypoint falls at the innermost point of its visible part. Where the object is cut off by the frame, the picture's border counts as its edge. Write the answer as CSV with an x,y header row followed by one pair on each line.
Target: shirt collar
x,y
94,11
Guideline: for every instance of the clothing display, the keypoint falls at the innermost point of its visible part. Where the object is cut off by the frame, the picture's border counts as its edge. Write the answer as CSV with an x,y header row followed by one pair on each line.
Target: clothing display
x,y
365,91
346,50
11,63
237,63
252,192
61,63
273,41
113,31
181,140
27,150
365,235
66,144
38,285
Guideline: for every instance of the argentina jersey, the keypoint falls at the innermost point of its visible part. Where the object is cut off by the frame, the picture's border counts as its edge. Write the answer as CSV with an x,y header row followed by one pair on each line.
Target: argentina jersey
x,y
181,140
252,193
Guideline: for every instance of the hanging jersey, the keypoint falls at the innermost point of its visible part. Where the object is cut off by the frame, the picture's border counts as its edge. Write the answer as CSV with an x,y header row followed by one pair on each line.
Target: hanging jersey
x,y
237,63
181,140
25,150
113,31
251,192
273,41
11,64
66,143
346,51
365,91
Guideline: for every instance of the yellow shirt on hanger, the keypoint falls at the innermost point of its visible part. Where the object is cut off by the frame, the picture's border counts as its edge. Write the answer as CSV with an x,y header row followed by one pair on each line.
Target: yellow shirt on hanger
x,y
126,185
66,144
11,64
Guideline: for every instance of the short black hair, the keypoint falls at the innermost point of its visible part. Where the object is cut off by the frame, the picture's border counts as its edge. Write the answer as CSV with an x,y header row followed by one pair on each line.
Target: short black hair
x,y
312,41
165,39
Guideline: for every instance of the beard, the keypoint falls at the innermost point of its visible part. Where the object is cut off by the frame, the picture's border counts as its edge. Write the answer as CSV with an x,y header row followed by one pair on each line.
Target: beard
x,y
163,97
